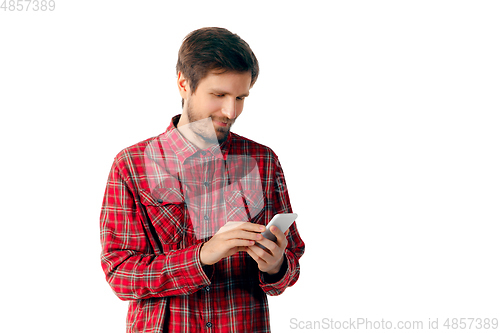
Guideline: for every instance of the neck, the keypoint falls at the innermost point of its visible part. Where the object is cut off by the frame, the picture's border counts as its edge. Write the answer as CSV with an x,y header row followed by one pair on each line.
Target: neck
x,y
191,132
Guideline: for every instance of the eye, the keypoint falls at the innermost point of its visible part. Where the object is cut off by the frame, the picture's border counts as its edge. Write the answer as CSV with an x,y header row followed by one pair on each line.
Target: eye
x,y
240,98
219,95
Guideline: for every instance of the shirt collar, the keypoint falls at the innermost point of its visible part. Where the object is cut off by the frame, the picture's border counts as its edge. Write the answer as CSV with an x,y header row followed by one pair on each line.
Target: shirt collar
x,y
185,149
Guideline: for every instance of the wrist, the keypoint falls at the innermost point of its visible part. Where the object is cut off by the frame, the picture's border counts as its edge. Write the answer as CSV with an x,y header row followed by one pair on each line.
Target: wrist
x,y
274,278
278,267
202,258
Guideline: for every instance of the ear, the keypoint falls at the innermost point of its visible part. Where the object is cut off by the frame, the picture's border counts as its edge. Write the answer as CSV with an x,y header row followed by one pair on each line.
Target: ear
x,y
183,85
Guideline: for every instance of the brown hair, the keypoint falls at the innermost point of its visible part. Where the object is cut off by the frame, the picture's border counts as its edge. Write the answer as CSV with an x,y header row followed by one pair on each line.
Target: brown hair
x,y
208,49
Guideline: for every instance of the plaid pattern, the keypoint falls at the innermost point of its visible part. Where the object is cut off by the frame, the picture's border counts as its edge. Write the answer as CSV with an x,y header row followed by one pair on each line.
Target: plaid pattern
x,y
164,198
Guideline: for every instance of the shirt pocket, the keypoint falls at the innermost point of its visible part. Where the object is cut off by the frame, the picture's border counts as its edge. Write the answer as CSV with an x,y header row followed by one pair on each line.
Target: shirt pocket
x,y
166,209
244,205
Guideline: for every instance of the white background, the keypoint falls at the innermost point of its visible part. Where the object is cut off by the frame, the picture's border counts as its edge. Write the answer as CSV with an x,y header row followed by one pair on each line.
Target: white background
x,y
385,116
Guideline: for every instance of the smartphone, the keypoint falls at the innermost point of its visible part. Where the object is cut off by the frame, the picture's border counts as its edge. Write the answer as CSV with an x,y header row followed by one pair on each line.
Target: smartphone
x,y
282,221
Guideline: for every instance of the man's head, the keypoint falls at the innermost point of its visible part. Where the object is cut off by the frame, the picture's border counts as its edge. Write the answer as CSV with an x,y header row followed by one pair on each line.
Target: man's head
x,y
215,71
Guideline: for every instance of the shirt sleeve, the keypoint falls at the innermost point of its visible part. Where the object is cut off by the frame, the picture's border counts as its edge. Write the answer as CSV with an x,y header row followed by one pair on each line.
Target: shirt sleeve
x,y
289,273
133,267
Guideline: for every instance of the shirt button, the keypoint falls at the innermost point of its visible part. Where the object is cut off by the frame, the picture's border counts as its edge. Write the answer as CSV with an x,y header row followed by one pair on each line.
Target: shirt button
x,y
203,152
207,288
206,184
206,217
209,324
159,201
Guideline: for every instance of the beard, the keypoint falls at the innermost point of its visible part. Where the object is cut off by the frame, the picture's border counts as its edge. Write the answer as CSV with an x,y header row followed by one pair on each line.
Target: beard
x,y
207,132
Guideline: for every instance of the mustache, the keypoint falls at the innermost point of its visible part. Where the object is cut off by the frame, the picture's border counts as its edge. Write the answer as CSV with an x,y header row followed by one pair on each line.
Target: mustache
x,y
224,120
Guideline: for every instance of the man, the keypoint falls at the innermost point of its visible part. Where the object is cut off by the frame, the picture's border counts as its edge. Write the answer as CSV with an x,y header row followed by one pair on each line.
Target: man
x,y
183,212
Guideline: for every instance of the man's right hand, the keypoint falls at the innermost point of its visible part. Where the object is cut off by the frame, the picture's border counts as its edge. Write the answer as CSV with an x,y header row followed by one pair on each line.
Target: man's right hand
x,y
231,238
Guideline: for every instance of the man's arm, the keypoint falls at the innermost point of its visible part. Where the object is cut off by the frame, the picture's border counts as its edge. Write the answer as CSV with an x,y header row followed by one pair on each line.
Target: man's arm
x,y
286,273
289,270
132,267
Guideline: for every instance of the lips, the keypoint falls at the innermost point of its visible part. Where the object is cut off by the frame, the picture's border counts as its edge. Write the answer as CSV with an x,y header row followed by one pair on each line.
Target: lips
x,y
219,123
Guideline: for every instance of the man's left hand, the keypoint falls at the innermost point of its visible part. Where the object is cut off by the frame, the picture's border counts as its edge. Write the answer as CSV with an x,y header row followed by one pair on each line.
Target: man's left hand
x,y
271,258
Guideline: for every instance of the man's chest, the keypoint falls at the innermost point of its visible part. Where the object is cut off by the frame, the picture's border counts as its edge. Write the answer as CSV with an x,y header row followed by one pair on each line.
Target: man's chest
x,y
191,203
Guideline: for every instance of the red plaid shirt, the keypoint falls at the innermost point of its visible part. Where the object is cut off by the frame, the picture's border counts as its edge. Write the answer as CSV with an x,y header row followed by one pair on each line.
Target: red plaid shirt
x,y
163,199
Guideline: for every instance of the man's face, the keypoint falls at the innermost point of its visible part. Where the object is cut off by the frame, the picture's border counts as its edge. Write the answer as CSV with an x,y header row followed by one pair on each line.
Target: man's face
x,y
219,97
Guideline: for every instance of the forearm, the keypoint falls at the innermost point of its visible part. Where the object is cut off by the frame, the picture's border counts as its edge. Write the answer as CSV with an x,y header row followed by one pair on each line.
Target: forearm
x,y
287,276
133,275
276,285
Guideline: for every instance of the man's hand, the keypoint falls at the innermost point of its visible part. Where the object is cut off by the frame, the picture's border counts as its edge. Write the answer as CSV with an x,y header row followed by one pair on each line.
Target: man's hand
x,y
231,238
270,260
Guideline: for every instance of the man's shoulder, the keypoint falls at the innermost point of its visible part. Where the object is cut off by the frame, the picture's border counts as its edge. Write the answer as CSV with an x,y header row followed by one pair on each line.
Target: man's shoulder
x,y
135,151
243,145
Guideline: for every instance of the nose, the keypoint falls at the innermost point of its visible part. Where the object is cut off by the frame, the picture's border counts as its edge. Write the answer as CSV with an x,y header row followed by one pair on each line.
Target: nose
x,y
229,108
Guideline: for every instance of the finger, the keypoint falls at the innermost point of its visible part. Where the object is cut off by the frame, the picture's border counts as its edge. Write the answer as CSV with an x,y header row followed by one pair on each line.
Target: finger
x,y
252,227
269,246
263,254
235,243
238,249
251,250
230,225
280,236
242,234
